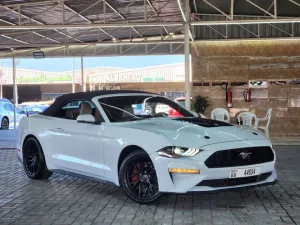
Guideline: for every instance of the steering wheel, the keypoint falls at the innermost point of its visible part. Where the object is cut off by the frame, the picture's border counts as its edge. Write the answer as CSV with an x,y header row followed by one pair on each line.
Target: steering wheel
x,y
161,114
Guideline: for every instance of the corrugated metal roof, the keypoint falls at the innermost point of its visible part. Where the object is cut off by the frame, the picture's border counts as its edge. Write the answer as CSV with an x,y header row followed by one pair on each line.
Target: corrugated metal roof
x,y
122,12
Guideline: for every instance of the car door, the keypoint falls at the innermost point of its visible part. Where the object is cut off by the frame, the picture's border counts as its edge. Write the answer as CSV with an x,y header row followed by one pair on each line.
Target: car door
x,y
77,147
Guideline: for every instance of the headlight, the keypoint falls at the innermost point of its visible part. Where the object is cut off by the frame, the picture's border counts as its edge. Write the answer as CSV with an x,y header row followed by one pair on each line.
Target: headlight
x,y
177,152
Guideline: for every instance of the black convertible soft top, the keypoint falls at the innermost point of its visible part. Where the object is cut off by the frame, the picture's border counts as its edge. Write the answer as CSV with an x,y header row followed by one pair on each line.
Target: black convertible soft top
x,y
84,96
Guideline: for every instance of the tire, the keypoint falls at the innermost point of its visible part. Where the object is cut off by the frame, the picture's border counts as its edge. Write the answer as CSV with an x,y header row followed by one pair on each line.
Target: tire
x,y
138,178
34,160
4,123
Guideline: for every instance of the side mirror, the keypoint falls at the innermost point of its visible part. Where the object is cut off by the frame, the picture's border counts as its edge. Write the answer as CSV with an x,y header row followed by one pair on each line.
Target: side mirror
x,y
87,118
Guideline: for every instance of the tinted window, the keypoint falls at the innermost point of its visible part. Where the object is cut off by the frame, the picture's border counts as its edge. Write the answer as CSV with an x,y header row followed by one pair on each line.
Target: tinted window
x,y
71,111
8,107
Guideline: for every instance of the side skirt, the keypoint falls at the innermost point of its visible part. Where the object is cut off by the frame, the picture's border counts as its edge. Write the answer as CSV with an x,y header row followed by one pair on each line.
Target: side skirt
x,y
80,176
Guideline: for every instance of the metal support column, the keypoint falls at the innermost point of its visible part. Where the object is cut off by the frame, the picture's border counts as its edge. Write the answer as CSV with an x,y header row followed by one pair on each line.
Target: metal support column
x,y
187,56
15,90
73,76
82,76
1,88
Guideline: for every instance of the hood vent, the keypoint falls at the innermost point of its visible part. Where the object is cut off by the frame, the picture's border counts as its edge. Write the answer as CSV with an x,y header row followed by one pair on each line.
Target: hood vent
x,y
204,122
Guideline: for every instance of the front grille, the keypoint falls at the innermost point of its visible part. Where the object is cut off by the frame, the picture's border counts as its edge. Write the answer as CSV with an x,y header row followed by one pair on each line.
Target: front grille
x,y
234,157
234,181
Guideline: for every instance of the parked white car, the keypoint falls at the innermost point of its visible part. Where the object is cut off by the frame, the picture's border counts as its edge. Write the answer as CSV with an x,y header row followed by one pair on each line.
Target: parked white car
x,y
145,154
7,115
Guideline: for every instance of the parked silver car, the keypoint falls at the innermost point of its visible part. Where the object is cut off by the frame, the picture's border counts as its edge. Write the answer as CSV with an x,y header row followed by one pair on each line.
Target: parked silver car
x,y
7,115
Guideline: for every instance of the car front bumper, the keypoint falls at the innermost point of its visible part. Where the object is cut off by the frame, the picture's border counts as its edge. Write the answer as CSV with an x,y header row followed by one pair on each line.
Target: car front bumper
x,y
209,179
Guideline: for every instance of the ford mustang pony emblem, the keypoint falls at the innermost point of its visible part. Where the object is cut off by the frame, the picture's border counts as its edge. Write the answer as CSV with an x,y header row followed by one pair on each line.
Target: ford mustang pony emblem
x,y
245,155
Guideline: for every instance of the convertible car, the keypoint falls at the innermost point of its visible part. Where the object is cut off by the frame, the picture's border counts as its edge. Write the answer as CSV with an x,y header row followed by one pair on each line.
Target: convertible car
x,y
97,135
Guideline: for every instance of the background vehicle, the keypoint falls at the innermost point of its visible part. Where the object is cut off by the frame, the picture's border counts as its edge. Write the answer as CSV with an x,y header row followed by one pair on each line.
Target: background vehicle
x,y
32,109
4,100
98,135
181,101
7,115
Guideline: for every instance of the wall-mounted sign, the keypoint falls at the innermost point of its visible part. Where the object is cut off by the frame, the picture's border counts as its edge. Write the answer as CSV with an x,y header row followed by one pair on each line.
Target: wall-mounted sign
x,y
44,79
116,78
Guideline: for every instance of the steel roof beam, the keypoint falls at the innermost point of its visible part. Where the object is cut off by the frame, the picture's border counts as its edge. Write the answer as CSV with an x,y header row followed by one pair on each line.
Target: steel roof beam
x,y
85,18
13,24
95,43
153,9
184,17
120,15
260,8
296,3
219,10
15,39
87,26
32,3
258,21
37,21
242,15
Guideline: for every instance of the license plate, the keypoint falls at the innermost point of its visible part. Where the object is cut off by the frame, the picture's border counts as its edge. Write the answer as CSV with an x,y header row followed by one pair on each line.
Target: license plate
x,y
245,172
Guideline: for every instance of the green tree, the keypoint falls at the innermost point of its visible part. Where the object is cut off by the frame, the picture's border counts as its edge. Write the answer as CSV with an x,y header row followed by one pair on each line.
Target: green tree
x,y
199,104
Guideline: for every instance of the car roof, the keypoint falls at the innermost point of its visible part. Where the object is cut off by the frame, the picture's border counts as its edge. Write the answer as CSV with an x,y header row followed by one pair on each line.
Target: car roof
x,y
4,100
85,96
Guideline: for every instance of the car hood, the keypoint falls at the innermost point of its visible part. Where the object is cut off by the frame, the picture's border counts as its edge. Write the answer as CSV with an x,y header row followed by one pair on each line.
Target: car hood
x,y
192,132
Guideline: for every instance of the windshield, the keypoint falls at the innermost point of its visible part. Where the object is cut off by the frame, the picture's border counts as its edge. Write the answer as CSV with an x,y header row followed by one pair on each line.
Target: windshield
x,y
128,108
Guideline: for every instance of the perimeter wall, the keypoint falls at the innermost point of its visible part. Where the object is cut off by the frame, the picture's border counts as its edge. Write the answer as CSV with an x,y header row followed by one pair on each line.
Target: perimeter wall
x,y
242,61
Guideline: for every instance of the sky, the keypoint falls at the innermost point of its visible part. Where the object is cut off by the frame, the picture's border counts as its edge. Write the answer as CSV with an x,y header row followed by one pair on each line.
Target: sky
x,y
65,64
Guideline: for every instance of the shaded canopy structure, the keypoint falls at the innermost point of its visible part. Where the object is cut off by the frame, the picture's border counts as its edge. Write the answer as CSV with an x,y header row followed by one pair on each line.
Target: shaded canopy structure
x,y
68,28
137,27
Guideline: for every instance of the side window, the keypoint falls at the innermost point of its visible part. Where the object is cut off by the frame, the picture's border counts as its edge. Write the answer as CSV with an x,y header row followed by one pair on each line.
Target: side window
x,y
88,107
8,107
73,104
71,111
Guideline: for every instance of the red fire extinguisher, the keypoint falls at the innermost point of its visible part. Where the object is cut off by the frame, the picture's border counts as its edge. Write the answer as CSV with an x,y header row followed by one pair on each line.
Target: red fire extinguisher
x,y
247,95
229,95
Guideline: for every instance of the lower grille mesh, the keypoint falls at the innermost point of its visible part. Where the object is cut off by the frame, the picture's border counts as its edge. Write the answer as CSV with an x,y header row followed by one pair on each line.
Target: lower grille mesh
x,y
234,181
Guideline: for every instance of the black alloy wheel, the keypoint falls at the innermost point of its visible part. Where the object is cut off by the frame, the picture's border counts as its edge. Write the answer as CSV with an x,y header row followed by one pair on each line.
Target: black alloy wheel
x,y
34,161
138,178
4,124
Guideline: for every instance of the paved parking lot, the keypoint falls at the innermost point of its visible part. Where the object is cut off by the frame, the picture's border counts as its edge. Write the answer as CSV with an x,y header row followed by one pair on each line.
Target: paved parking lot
x,y
8,139
68,200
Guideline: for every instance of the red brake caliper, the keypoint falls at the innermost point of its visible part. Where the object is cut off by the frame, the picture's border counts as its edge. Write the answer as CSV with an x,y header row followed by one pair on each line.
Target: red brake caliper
x,y
136,178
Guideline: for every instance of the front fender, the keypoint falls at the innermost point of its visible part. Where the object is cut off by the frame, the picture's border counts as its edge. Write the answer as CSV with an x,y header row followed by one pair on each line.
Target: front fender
x,y
116,139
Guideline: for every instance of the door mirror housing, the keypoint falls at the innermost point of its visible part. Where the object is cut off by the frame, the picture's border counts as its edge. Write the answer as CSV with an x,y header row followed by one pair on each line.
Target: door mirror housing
x,y
86,118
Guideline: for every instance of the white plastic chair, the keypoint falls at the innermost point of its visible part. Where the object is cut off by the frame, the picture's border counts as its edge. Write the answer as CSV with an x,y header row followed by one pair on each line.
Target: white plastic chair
x,y
246,119
266,118
220,114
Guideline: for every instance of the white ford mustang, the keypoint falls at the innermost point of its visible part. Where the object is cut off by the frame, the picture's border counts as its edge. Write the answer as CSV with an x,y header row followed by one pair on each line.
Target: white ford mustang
x,y
122,137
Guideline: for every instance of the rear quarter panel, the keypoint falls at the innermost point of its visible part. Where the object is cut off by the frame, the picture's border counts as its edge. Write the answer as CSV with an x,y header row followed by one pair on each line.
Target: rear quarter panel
x,y
36,126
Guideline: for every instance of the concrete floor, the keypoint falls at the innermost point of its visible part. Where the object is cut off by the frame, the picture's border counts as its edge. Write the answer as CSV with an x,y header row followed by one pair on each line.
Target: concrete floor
x,y
69,200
